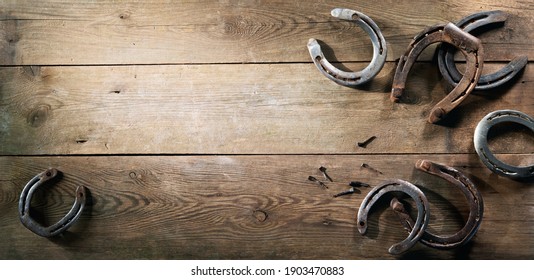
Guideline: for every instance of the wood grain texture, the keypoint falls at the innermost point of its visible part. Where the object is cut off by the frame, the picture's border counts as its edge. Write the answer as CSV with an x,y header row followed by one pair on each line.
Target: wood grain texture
x,y
251,207
196,124
239,109
154,32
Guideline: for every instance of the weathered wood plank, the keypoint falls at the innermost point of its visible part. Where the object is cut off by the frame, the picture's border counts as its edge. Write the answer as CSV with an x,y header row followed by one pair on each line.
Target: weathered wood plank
x,y
239,109
251,207
152,32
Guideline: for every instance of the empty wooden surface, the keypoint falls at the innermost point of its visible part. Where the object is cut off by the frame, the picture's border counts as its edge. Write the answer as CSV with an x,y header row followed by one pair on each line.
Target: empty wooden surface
x,y
196,124
231,31
235,109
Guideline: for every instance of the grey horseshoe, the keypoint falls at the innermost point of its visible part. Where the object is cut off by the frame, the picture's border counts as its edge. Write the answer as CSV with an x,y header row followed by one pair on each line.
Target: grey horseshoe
x,y
471,193
415,193
63,224
352,79
446,54
484,153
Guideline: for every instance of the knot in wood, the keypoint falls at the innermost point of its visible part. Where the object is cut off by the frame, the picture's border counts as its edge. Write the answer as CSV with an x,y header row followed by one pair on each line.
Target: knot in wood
x,y
260,215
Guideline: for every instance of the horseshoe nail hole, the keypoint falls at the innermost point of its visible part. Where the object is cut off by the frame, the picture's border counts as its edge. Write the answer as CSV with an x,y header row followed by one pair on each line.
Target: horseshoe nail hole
x,y
318,58
362,224
355,17
48,174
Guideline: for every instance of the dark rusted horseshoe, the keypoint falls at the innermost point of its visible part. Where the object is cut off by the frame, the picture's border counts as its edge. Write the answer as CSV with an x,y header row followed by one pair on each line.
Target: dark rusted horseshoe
x,y
483,151
352,79
446,54
474,199
470,47
415,193
63,224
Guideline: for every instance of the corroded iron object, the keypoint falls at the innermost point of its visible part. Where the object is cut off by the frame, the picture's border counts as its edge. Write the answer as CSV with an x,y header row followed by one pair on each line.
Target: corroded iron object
x,y
471,193
483,151
415,193
345,78
470,47
446,54
63,224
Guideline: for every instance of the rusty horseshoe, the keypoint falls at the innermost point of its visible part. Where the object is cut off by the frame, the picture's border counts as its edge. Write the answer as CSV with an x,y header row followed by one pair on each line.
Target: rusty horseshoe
x,y
471,193
63,224
481,143
471,48
415,193
352,79
468,24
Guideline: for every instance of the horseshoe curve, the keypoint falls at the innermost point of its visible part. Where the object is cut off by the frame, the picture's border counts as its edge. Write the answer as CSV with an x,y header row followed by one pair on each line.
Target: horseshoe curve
x,y
423,213
471,193
63,224
480,140
469,46
468,24
352,79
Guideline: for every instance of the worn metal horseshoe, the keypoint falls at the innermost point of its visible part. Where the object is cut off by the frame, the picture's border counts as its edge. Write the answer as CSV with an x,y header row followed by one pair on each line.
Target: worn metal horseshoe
x,y
352,79
483,151
446,54
470,47
423,212
63,224
471,193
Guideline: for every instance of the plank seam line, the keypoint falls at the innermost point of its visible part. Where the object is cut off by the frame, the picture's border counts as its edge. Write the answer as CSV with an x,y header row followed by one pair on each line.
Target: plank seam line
x,y
250,155
212,63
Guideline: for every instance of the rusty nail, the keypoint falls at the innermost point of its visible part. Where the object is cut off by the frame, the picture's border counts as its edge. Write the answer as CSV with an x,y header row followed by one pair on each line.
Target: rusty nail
x,y
313,179
323,170
366,142
358,184
349,191
365,165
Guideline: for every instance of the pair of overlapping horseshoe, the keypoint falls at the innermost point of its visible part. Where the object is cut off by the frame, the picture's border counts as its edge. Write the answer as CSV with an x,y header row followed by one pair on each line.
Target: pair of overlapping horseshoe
x,y
62,225
418,229
469,46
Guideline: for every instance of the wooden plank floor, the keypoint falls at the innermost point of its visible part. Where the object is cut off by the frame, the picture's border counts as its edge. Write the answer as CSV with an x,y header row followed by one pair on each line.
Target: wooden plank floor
x,y
196,124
